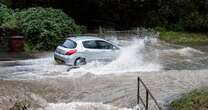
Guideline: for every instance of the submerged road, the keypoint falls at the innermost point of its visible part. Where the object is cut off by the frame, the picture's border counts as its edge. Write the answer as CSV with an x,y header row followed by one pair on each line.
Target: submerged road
x,y
167,70
117,90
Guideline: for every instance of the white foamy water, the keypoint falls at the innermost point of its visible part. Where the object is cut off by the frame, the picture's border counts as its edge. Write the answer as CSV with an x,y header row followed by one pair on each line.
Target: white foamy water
x,y
82,106
186,51
33,68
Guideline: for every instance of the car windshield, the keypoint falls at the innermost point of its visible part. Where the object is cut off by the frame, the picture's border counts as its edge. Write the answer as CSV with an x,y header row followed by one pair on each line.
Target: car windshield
x,y
69,44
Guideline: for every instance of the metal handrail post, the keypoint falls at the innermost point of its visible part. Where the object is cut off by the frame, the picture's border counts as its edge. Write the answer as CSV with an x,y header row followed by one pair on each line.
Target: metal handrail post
x,y
138,92
147,100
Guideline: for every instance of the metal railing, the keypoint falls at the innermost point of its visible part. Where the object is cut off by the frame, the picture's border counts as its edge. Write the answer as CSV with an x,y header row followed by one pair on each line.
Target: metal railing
x,y
148,95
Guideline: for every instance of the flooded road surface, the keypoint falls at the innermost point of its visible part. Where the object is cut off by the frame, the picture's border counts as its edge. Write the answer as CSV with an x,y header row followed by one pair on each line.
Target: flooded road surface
x,y
112,90
168,70
137,55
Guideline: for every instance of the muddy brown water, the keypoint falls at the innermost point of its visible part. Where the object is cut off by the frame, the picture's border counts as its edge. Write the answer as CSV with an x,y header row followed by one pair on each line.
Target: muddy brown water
x,y
117,90
168,70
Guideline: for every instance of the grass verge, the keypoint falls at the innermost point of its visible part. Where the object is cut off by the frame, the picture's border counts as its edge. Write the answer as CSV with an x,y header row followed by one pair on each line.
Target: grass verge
x,y
184,38
195,100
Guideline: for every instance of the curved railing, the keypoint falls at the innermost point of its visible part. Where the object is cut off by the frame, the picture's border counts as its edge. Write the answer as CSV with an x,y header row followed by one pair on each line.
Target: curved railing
x,y
149,95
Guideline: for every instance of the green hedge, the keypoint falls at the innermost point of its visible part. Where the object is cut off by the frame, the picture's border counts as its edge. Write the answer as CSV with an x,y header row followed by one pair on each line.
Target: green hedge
x,y
45,28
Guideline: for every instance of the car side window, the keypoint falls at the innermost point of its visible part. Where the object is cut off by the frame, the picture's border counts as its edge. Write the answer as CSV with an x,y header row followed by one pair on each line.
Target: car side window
x,y
90,44
97,44
104,45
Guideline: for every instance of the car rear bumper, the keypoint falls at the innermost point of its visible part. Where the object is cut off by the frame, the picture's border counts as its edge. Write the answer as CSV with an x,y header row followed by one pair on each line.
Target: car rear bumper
x,y
69,60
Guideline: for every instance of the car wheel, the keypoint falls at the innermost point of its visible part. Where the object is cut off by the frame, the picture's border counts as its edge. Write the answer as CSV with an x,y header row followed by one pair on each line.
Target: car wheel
x,y
80,61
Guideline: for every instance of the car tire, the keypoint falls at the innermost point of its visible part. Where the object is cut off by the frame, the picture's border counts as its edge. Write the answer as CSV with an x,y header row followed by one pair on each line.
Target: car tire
x,y
80,61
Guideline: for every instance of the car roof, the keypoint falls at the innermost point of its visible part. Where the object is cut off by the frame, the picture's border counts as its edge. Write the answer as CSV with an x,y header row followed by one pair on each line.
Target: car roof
x,y
84,38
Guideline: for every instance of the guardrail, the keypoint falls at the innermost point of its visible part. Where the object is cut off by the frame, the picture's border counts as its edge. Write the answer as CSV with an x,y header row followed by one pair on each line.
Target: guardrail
x,y
148,95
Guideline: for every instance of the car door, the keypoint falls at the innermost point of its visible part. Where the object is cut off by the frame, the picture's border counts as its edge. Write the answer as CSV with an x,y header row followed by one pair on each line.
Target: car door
x,y
107,50
91,51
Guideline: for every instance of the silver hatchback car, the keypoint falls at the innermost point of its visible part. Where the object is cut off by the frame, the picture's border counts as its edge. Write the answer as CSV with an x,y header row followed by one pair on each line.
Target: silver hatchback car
x,y
79,50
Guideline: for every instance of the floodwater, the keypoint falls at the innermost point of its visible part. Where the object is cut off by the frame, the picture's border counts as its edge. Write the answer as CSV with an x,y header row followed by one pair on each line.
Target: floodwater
x,y
168,70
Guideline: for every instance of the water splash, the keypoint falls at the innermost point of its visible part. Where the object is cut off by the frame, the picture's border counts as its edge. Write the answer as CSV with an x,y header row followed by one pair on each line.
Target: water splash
x,y
131,59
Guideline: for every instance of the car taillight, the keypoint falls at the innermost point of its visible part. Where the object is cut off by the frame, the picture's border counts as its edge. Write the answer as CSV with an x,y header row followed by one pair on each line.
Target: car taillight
x,y
70,52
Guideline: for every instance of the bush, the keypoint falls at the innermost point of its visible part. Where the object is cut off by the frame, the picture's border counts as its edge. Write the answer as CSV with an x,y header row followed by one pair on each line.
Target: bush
x,y
45,28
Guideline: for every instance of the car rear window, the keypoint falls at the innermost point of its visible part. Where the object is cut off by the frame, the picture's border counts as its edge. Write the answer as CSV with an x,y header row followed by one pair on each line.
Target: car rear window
x,y
69,44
